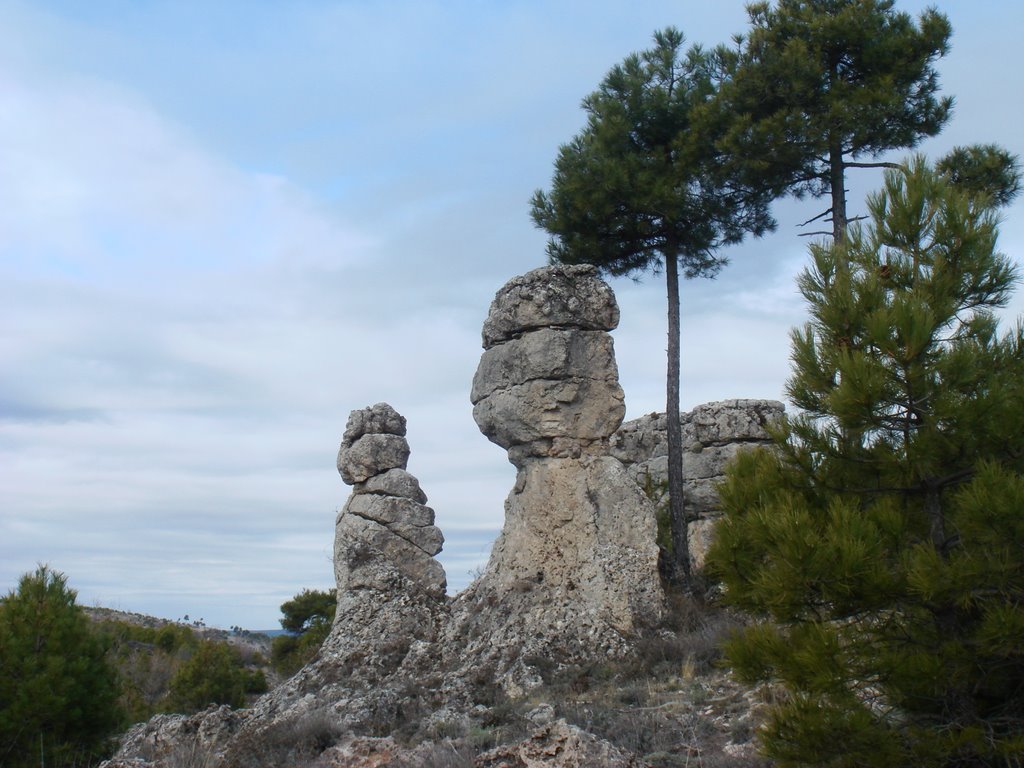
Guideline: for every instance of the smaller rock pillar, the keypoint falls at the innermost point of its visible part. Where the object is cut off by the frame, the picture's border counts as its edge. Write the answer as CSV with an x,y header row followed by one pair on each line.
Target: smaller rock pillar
x,y
385,534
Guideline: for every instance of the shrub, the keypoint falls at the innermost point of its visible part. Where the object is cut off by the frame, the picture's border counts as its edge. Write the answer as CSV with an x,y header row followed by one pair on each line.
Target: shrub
x,y
214,674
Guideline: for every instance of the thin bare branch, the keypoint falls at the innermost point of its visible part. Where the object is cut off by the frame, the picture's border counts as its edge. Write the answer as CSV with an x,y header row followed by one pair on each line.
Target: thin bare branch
x,y
824,213
852,164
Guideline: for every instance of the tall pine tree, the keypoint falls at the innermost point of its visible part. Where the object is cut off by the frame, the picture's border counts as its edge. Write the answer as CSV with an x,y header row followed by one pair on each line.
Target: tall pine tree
x,y
882,542
58,694
642,188
821,86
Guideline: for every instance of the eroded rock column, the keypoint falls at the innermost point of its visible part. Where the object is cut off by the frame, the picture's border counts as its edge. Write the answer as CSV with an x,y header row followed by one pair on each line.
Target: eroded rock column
x,y
574,573
385,534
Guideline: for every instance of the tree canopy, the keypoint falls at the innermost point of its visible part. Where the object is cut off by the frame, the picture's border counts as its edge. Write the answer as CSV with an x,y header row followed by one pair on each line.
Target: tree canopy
x,y
983,169
308,609
643,188
307,617
882,542
817,86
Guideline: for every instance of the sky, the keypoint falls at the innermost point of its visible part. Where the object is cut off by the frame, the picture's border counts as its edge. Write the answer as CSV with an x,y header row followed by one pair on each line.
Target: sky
x,y
224,226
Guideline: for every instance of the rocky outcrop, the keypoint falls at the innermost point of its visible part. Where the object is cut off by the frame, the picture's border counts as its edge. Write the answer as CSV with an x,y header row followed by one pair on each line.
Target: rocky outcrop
x,y
712,435
558,745
573,574
174,740
572,580
391,596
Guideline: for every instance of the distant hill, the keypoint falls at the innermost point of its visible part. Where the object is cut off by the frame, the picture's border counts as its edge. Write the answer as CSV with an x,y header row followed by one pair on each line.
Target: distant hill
x,y
257,641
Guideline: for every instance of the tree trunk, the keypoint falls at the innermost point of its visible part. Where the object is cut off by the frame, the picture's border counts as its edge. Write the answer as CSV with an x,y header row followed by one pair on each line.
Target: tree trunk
x,y
680,567
837,182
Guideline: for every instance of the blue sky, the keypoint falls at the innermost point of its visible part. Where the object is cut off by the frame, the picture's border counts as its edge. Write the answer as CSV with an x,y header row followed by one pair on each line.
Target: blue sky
x,y
225,225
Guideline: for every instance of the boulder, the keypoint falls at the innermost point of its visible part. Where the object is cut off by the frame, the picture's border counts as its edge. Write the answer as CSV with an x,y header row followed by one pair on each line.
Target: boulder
x,y
713,434
393,482
567,296
370,455
558,745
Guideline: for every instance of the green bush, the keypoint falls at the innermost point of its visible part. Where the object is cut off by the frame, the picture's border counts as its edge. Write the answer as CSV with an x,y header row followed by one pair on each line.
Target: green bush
x,y
213,674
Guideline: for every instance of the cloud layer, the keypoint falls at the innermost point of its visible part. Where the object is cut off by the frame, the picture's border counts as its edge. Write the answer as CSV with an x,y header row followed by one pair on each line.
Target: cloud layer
x,y
221,229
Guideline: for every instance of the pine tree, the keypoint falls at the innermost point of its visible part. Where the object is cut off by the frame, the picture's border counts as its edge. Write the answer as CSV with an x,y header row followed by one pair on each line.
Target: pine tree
x,y
642,188
817,86
307,618
983,169
58,694
881,544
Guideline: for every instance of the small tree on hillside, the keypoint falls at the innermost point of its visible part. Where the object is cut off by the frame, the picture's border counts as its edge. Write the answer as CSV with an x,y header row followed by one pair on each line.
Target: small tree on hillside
x,y
307,617
642,188
308,610
882,542
818,85
58,694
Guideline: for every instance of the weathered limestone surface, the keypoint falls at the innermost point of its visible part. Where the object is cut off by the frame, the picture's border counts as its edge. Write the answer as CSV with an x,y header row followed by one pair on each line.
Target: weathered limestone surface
x,y
574,573
558,745
712,435
391,596
569,296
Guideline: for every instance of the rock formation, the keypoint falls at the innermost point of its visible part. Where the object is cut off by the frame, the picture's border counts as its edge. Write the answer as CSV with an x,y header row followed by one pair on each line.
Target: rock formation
x,y
573,575
385,537
712,435
391,596
572,579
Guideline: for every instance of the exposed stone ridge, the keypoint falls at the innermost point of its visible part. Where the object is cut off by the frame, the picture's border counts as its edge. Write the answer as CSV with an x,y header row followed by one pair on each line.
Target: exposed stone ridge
x,y
713,433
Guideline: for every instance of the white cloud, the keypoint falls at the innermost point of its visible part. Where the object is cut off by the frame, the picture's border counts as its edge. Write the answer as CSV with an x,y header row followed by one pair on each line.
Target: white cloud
x,y
224,226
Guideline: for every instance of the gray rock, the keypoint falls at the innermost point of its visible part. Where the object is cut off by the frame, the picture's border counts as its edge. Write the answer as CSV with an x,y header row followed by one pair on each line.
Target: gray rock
x,y
389,509
547,353
581,529
735,420
379,419
372,556
394,482
574,574
558,296
580,408
371,454
713,434
167,740
558,745
427,537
